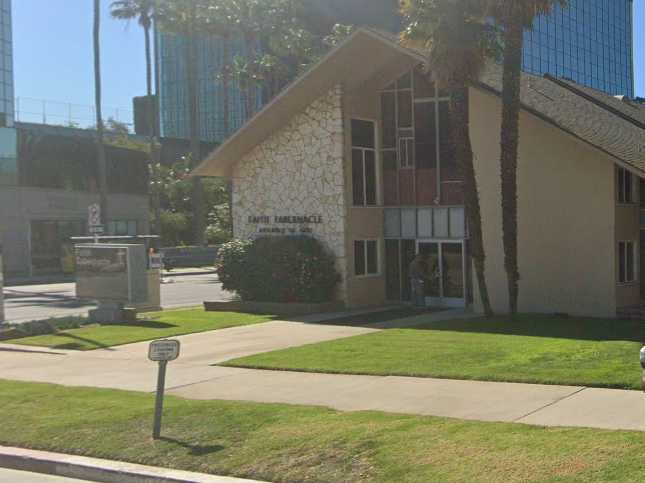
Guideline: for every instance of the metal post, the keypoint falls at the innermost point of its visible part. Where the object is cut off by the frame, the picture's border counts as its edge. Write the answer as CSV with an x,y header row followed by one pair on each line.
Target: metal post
x,y
161,382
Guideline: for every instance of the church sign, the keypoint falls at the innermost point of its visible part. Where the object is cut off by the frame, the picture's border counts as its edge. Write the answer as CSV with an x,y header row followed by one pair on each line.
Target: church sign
x,y
284,224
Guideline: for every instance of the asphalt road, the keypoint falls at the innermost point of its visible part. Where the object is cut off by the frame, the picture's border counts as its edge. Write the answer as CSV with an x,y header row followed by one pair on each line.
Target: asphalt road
x,y
36,302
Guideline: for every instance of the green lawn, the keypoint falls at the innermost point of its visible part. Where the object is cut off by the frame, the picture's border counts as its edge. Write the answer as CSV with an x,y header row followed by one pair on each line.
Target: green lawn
x,y
154,326
534,349
295,443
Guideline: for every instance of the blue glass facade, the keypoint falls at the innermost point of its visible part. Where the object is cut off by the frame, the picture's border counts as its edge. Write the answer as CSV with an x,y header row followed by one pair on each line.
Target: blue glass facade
x,y
173,88
589,42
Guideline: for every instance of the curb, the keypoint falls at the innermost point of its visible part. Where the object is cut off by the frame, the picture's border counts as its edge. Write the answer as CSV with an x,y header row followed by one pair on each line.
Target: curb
x,y
94,469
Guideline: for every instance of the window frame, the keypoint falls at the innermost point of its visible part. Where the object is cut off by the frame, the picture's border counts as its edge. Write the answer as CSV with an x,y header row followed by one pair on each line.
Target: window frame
x,y
367,273
623,265
625,178
375,151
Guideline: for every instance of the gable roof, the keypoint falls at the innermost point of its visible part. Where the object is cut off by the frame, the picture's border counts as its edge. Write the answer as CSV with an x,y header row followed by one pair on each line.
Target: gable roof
x,y
600,120
352,63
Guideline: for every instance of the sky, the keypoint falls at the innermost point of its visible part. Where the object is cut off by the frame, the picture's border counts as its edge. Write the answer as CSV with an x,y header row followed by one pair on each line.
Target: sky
x,y
53,58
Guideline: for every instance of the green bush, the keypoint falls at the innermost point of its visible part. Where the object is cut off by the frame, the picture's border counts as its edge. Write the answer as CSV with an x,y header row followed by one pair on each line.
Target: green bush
x,y
47,326
278,269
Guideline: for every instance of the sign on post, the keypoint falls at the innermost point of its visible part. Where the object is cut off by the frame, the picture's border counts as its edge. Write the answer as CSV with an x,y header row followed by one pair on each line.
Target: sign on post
x,y
161,351
94,225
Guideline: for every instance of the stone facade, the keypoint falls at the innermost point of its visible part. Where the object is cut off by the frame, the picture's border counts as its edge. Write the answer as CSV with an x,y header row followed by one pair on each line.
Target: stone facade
x,y
297,172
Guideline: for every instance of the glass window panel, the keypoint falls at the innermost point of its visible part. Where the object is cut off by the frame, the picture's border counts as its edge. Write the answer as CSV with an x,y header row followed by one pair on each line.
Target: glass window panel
x,y
393,223
621,262
441,223
405,109
405,82
424,217
457,223
409,223
359,257
453,270
362,134
372,257
392,270
132,228
370,178
425,135
358,184
629,268
388,116
423,86
446,148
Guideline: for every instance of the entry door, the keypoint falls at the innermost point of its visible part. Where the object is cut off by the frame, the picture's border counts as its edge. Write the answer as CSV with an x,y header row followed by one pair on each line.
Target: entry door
x,y
445,284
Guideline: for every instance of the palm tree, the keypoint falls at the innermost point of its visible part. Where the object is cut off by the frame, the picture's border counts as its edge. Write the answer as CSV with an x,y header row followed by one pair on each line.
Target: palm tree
x,y
143,11
513,17
100,147
458,41
184,17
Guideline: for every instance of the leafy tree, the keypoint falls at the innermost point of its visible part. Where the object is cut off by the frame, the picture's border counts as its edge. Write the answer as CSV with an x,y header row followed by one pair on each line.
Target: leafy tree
x,y
143,11
513,17
457,40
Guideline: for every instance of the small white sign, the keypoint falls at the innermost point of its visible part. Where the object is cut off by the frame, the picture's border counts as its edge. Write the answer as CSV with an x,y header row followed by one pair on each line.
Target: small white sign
x,y
94,215
156,262
163,350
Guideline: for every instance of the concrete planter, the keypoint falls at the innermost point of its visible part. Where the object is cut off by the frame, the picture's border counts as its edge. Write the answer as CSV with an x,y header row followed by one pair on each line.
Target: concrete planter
x,y
273,308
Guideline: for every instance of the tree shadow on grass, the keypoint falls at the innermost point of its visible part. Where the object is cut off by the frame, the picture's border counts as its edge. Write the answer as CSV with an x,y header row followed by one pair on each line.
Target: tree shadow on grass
x,y
81,344
194,449
144,323
559,327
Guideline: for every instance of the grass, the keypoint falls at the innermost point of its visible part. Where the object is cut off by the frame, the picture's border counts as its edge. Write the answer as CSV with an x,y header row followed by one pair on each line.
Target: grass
x,y
155,326
296,443
533,349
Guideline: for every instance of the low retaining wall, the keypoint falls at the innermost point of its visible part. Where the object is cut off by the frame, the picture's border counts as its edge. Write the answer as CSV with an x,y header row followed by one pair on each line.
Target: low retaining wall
x,y
273,308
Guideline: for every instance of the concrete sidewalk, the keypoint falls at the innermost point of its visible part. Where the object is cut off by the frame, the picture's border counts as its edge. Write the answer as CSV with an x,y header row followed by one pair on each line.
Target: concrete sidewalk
x,y
193,376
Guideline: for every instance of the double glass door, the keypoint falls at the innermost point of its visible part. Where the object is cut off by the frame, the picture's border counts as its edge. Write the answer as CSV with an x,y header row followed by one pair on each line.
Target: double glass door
x,y
445,279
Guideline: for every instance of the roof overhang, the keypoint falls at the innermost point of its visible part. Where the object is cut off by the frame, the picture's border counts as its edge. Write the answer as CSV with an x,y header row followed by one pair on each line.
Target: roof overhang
x,y
352,63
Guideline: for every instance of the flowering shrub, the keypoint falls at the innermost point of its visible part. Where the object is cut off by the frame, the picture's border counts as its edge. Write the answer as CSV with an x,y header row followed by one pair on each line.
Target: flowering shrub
x,y
278,269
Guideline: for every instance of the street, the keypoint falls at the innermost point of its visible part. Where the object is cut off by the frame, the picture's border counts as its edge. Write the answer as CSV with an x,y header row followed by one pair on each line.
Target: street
x,y
36,302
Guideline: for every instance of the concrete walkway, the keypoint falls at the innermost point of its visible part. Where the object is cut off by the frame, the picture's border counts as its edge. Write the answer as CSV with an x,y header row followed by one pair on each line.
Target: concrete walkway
x,y
194,377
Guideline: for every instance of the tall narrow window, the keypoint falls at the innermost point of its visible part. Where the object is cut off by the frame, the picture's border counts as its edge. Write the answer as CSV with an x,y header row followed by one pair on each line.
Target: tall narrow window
x,y
363,163
625,188
626,262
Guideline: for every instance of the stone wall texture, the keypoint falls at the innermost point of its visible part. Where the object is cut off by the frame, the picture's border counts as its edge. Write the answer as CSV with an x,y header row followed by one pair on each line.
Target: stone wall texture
x,y
297,171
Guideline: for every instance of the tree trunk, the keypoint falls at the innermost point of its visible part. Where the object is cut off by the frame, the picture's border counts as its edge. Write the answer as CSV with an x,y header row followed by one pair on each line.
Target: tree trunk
x,y
153,158
195,142
100,146
226,114
251,51
464,159
513,40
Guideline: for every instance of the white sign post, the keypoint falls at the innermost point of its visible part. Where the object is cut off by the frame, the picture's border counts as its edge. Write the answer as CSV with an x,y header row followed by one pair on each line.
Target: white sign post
x,y
161,351
94,225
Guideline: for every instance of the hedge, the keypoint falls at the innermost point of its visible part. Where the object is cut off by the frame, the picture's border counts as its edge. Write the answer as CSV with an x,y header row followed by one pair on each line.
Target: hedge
x,y
278,269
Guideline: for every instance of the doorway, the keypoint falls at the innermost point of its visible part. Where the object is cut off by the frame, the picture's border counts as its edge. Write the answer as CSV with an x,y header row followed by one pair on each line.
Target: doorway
x,y
446,282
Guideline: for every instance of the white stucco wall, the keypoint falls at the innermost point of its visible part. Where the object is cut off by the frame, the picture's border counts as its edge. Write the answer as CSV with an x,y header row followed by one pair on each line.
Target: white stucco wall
x,y
566,216
298,171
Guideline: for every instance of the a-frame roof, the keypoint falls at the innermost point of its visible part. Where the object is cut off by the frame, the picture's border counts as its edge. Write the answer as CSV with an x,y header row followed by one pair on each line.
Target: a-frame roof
x,y
593,117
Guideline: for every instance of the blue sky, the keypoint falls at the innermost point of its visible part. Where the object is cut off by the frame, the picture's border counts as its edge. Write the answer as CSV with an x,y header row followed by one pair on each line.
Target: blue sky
x,y
53,54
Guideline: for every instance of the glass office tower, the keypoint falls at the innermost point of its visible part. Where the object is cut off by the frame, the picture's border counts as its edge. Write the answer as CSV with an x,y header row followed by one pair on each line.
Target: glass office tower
x,y
8,169
173,88
589,42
